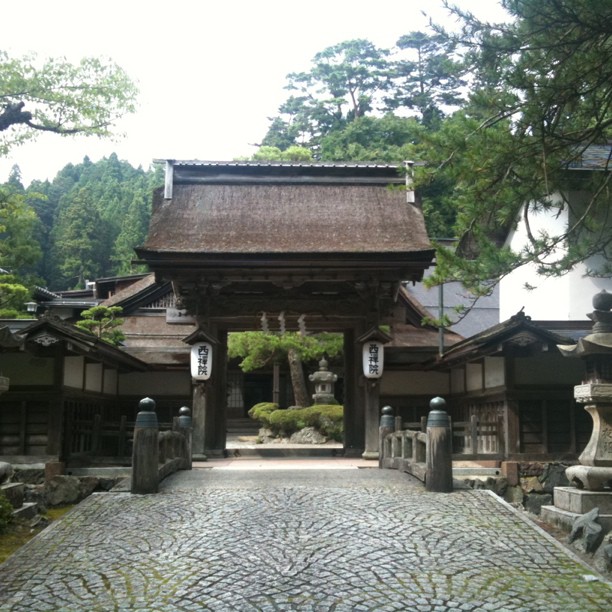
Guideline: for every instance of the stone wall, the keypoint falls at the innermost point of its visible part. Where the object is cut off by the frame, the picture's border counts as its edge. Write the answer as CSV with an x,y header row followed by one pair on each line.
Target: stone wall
x,y
527,485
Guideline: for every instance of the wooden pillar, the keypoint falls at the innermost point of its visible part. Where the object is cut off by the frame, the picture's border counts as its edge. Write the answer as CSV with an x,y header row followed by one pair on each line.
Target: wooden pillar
x,y
57,440
372,418
354,409
215,424
512,440
198,411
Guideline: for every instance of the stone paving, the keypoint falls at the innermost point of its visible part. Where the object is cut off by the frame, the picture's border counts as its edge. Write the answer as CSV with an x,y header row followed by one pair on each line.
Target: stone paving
x,y
312,540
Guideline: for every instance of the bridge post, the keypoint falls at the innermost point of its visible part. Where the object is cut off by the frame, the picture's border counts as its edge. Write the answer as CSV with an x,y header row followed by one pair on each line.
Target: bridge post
x,y
145,453
184,427
387,426
439,450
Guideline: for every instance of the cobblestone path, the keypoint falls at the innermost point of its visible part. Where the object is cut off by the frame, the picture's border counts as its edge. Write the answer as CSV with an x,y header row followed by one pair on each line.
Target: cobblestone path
x,y
342,540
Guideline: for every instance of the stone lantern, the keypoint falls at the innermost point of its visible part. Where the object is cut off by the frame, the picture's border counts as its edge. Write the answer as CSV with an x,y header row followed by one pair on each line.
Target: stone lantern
x,y
324,384
595,471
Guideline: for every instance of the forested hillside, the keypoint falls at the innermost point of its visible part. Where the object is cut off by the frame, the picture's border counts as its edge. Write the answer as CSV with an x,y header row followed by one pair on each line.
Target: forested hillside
x,y
86,223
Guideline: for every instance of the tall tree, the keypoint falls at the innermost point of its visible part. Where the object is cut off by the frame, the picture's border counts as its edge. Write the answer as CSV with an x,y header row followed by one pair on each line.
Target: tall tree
x,y
134,226
542,97
19,252
345,82
427,77
54,95
81,248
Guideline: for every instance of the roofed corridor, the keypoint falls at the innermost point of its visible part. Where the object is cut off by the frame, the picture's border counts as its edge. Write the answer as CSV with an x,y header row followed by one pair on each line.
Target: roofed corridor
x,y
226,537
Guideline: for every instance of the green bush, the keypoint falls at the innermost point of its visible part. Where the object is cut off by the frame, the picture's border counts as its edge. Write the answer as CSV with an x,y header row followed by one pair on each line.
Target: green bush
x,y
328,419
6,512
261,412
287,421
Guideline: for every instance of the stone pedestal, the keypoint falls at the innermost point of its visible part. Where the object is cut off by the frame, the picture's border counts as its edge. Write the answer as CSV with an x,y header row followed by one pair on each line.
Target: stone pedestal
x,y
570,503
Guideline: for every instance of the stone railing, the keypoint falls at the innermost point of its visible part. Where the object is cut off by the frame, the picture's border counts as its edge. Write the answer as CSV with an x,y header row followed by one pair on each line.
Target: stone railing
x,y
425,455
406,451
156,454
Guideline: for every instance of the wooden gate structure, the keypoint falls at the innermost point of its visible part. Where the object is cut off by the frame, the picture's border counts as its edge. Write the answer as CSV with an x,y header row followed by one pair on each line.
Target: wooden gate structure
x,y
328,244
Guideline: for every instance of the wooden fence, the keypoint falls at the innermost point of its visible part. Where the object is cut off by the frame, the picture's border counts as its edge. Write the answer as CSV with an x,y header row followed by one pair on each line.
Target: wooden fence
x,y
472,439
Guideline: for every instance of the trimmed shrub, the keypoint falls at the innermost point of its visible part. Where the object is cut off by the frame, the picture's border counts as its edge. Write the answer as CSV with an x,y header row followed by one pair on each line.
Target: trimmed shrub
x,y
261,412
6,512
286,421
328,419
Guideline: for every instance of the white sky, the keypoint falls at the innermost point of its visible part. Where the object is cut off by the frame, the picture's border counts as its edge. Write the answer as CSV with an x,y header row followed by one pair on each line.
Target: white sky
x,y
210,73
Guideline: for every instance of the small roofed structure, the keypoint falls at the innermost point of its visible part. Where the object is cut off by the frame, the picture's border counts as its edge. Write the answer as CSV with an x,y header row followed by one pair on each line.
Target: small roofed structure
x,y
64,382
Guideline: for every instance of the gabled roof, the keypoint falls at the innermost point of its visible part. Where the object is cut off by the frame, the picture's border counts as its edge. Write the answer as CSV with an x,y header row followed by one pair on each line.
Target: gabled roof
x,y
141,292
150,338
518,336
48,331
8,339
414,333
222,211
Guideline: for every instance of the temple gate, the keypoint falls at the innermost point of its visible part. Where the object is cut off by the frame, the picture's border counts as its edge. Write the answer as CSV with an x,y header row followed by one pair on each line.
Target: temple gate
x,y
317,246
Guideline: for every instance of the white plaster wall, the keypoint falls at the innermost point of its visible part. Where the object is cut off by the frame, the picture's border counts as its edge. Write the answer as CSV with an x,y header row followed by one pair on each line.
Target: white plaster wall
x,y
473,376
549,300
155,383
564,298
74,368
457,380
494,372
110,382
93,376
414,383
25,369
548,369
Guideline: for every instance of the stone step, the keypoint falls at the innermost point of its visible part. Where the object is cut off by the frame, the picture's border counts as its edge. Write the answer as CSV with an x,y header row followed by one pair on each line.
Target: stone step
x,y
565,519
582,501
235,426
14,492
27,510
286,452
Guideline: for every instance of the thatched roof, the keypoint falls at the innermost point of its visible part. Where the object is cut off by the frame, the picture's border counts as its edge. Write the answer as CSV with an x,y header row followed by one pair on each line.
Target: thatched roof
x,y
255,209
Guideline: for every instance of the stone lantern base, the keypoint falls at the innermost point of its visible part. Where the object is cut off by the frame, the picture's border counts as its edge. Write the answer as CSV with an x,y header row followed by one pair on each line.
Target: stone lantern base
x,y
571,503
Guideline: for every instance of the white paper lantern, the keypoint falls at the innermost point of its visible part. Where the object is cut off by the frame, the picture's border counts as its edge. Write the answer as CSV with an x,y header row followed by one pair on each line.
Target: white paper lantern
x,y
373,359
201,360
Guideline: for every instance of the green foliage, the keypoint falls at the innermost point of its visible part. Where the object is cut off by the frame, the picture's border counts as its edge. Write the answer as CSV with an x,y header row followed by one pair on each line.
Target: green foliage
x,y
13,296
80,241
258,349
6,513
89,219
541,97
427,77
54,95
345,82
261,412
328,419
365,104
19,251
103,322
